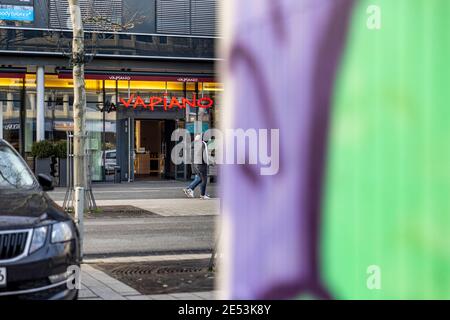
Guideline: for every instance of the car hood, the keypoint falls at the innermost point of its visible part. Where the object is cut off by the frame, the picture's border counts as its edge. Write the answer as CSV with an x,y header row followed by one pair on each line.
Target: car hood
x,y
21,209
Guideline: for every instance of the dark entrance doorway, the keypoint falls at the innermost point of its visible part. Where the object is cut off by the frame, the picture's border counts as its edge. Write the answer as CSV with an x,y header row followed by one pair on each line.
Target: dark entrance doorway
x,y
153,147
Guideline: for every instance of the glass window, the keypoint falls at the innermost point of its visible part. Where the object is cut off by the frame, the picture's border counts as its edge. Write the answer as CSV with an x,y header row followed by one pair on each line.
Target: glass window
x,y
110,155
101,127
10,103
14,174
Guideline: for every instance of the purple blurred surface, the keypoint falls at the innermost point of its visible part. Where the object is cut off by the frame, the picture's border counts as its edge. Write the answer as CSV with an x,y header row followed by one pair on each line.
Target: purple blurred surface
x,y
282,65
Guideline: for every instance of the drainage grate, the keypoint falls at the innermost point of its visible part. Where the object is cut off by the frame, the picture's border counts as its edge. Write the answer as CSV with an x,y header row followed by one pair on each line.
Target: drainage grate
x,y
180,270
124,209
147,270
163,277
121,212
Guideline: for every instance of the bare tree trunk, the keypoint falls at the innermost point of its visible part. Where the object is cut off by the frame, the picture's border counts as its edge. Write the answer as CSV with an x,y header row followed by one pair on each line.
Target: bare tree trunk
x,y
79,104
79,112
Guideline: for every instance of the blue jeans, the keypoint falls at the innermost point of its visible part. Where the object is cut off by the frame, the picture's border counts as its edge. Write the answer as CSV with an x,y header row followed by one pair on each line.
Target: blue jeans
x,y
199,179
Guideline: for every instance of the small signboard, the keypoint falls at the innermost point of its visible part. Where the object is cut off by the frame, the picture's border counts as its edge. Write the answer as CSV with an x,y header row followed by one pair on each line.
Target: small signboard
x,y
17,10
192,128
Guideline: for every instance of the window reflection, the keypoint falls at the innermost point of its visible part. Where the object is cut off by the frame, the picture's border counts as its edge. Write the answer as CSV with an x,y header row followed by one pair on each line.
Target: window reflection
x,y
13,172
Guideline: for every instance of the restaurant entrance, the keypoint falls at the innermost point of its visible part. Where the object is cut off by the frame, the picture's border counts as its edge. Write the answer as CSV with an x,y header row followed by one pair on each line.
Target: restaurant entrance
x,y
153,148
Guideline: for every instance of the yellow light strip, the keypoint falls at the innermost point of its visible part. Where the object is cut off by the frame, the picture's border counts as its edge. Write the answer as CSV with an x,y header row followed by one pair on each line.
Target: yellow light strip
x,y
52,81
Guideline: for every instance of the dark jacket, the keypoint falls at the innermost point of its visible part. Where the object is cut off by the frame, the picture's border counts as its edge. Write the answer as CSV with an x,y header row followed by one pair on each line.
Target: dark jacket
x,y
199,154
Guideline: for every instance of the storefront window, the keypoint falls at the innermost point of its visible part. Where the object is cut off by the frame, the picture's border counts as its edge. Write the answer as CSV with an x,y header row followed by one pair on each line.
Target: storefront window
x,y
100,126
214,91
10,103
152,127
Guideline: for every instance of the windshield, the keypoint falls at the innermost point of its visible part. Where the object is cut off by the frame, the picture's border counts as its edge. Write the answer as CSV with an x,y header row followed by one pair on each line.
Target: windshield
x,y
111,155
14,174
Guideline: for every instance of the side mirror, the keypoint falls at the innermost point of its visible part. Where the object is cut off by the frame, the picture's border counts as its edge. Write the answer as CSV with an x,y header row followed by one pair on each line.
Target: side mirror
x,y
46,182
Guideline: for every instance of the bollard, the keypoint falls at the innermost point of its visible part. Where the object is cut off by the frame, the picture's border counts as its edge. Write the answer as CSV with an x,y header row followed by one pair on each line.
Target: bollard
x,y
79,214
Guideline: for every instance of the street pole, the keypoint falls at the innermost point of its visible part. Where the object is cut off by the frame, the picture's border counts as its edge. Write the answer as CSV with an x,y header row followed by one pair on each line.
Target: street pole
x,y
79,111
104,133
79,207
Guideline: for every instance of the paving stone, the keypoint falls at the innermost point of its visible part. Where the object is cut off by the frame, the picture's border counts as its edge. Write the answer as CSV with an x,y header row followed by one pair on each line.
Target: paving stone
x,y
185,296
86,293
108,294
161,297
205,295
139,297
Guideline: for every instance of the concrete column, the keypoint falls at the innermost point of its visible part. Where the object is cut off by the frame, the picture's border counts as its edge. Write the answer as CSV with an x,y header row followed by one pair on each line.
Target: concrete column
x,y
40,104
32,100
10,105
30,115
66,105
100,100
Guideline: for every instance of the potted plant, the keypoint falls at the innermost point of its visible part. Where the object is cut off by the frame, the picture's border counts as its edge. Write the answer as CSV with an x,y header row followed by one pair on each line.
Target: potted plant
x,y
42,152
60,149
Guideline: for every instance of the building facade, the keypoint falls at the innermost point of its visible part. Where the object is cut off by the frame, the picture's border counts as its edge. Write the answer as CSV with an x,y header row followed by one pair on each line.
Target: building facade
x,y
149,70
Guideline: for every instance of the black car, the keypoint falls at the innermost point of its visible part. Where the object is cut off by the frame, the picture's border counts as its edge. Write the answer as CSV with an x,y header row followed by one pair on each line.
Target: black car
x,y
39,242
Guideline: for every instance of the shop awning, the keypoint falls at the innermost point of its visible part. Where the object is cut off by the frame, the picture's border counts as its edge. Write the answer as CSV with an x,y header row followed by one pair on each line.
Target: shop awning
x,y
139,76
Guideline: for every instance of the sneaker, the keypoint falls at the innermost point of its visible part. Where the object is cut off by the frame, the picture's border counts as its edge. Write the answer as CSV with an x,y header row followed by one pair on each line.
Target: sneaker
x,y
205,197
189,193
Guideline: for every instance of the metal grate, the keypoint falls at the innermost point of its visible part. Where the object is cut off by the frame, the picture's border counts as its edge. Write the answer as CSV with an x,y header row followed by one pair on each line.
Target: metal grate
x,y
12,245
187,17
204,18
173,16
136,270
97,14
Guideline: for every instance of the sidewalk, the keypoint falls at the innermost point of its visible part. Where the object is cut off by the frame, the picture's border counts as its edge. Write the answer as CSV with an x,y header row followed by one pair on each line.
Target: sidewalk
x,y
167,207
164,198
172,229
97,285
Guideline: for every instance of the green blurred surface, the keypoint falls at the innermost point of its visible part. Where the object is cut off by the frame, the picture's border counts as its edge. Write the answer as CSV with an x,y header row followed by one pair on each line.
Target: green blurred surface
x,y
388,181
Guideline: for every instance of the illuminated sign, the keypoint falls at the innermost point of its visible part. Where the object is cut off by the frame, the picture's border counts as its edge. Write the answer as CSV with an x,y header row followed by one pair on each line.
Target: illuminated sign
x,y
16,13
120,78
188,80
28,3
92,75
63,125
166,103
11,126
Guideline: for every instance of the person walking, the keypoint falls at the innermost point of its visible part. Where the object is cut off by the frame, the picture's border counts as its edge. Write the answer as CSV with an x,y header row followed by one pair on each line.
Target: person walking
x,y
200,158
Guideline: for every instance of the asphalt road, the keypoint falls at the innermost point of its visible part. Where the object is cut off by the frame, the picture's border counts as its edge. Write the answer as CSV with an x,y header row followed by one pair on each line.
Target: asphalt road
x,y
138,190
149,236
156,235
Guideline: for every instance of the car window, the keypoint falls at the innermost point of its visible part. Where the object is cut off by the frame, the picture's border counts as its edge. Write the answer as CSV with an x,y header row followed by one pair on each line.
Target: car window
x,y
14,174
111,155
